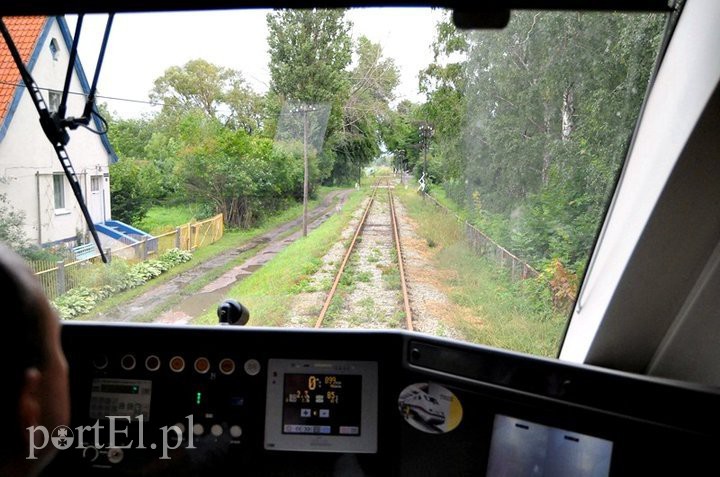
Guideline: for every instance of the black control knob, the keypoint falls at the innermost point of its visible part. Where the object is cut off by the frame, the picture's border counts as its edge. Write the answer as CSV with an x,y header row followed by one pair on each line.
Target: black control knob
x,y
90,453
232,312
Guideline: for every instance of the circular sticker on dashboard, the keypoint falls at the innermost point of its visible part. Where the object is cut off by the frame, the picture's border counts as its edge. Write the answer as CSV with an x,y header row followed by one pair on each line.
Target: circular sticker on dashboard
x,y
430,407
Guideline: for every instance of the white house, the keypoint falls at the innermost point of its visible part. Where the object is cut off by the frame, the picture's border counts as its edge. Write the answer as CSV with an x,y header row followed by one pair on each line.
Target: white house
x,y
31,175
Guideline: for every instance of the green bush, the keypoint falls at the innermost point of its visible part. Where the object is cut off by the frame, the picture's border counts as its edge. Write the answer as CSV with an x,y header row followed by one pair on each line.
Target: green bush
x,y
101,282
176,256
113,274
76,302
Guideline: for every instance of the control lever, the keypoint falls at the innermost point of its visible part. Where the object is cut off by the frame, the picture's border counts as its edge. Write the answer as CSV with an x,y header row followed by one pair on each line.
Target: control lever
x,y
232,312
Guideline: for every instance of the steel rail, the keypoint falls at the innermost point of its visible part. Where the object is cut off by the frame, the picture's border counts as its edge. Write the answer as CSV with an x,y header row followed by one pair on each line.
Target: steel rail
x,y
398,249
401,266
349,250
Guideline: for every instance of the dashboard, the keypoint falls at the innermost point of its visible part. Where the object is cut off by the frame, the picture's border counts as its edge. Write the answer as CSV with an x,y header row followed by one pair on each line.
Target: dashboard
x,y
225,400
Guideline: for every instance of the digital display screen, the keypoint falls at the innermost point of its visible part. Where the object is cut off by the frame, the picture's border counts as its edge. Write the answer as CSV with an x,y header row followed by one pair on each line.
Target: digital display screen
x,y
324,404
520,447
120,397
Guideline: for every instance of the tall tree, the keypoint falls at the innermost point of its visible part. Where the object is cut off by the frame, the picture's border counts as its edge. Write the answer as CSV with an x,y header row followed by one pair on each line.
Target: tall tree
x,y
443,82
373,80
309,51
220,93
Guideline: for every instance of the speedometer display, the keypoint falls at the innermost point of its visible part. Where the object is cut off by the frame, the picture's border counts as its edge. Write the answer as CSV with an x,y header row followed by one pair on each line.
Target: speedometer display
x,y
327,404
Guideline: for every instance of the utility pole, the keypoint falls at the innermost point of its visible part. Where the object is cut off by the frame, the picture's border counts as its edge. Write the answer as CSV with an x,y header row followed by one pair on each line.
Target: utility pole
x,y
400,161
305,109
426,132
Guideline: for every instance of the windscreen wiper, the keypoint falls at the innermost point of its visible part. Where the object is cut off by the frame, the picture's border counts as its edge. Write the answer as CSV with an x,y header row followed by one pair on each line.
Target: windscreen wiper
x,y
55,125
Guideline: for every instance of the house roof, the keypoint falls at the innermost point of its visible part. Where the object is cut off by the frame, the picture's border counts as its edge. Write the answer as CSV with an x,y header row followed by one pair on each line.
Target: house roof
x,y
25,32
29,34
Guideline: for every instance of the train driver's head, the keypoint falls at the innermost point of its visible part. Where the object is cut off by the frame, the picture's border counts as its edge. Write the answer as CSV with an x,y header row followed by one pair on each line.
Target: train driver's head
x,y
34,396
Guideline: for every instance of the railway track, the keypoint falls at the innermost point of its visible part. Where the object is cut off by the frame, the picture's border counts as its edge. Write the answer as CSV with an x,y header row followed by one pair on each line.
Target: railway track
x,y
395,232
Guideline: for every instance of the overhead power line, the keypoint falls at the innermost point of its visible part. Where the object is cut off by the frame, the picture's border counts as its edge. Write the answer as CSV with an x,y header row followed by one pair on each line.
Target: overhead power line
x,y
78,93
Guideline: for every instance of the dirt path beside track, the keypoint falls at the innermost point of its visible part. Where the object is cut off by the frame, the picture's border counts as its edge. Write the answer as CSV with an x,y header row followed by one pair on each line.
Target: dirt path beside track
x,y
158,298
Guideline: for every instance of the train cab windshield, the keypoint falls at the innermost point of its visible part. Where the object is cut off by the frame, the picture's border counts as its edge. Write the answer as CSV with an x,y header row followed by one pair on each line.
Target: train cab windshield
x,y
355,241
501,147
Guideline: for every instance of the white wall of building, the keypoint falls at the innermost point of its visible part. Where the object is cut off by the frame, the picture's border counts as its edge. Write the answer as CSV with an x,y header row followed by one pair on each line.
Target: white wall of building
x,y
28,161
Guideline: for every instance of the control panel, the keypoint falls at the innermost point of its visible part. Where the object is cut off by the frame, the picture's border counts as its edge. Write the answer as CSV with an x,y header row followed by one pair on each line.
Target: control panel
x,y
160,400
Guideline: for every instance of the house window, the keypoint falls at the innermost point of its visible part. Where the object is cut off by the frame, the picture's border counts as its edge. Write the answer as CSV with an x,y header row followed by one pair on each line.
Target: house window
x,y
54,49
54,101
59,190
95,183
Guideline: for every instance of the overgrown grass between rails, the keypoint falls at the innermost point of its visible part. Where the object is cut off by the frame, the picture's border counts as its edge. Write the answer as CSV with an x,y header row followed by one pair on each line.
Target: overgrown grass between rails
x,y
347,284
391,273
511,315
232,238
335,310
268,291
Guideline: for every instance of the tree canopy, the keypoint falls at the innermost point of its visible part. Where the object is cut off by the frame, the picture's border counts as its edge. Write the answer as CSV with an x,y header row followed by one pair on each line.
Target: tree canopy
x,y
219,93
309,51
532,122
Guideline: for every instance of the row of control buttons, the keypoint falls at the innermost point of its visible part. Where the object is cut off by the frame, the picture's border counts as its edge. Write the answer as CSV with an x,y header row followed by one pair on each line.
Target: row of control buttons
x,y
216,430
177,364
116,455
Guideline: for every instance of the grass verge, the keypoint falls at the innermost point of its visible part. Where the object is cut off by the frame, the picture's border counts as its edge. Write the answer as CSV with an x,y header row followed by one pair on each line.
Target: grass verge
x,y
510,315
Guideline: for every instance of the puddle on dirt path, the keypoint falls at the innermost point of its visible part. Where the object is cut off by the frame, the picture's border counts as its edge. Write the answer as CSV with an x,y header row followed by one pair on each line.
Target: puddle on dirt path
x,y
210,296
195,305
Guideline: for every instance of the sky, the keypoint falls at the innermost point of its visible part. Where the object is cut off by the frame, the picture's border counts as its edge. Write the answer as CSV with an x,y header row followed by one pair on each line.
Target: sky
x,y
143,46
